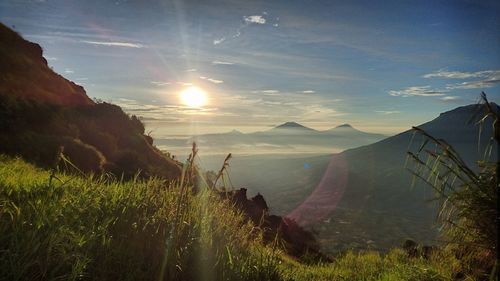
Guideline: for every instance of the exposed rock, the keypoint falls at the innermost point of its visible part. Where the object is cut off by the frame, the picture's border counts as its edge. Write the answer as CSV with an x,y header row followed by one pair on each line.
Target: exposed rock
x,y
411,248
297,241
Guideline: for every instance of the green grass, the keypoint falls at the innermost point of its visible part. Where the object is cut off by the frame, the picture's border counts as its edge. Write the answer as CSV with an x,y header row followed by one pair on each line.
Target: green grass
x,y
374,266
63,227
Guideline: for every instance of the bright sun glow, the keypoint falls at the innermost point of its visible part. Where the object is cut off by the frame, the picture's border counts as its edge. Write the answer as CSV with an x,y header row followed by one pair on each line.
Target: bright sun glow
x,y
193,97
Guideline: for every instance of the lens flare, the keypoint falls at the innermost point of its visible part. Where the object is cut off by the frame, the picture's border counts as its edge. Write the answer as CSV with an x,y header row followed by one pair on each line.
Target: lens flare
x,y
193,97
325,198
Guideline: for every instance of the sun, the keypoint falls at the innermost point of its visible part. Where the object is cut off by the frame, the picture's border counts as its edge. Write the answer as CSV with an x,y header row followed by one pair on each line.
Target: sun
x,y
193,97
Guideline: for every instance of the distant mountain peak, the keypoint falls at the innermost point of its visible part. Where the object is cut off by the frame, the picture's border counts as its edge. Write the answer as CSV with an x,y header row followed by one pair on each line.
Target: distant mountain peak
x,y
291,125
348,129
344,126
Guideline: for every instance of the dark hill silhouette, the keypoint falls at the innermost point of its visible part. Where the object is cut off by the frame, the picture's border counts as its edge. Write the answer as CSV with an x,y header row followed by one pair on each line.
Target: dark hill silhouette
x,y
42,113
25,73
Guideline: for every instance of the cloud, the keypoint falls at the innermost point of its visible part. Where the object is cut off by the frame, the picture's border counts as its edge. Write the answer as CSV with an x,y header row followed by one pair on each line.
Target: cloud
x,y
442,73
164,112
159,83
69,71
273,102
51,58
308,92
247,21
449,98
218,62
473,84
270,91
490,79
387,112
258,19
215,81
114,44
218,41
420,91
454,74
191,70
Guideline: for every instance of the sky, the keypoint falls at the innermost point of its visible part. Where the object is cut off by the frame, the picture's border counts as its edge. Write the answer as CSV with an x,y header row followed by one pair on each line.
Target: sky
x,y
381,66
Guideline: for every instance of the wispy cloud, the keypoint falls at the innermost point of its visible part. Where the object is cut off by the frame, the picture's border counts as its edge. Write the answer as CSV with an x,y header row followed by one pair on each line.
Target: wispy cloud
x,y
191,70
218,41
258,19
159,83
449,98
270,91
114,44
490,79
273,102
454,74
69,71
308,92
443,73
420,91
166,112
218,62
247,21
387,112
215,81
51,58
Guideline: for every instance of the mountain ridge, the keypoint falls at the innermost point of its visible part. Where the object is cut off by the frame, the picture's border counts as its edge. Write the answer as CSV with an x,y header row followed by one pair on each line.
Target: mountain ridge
x,y
25,73
379,186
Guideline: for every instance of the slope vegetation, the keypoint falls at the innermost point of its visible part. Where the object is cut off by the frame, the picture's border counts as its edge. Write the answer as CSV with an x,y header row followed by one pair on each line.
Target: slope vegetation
x,y
56,226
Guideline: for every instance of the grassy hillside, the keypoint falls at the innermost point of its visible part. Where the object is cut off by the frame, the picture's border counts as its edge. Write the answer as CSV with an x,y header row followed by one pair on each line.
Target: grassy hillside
x,y
55,226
